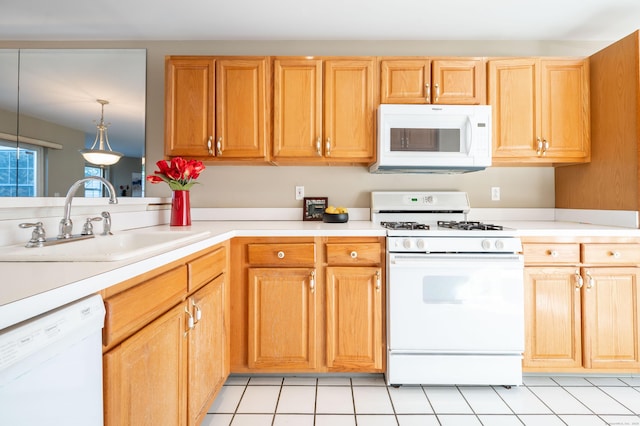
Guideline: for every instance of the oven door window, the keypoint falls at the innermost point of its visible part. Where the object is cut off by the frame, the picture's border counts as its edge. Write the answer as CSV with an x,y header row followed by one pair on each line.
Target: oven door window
x,y
454,305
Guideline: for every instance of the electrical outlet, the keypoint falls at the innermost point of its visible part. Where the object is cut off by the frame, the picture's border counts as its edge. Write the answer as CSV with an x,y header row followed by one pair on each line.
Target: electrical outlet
x,y
299,192
495,193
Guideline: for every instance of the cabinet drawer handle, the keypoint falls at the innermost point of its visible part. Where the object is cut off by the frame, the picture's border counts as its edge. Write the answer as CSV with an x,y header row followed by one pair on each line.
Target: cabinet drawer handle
x,y
327,148
428,97
378,281
280,255
209,145
437,93
319,146
219,146
312,282
553,253
354,254
616,254
579,280
198,311
539,148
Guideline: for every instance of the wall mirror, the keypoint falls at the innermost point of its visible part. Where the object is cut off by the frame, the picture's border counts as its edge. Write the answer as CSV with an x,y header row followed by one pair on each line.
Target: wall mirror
x,y
49,111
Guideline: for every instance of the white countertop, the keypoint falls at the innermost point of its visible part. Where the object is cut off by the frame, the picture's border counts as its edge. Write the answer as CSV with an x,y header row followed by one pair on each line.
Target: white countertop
x,y
32,288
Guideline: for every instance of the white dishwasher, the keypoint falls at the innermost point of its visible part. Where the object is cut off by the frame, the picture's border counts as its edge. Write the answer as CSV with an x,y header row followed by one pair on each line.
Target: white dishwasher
x,y
51,367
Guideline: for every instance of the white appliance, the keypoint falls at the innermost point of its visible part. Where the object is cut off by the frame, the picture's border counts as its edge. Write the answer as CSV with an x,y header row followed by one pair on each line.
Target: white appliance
x,y
51,367
433,138
455,293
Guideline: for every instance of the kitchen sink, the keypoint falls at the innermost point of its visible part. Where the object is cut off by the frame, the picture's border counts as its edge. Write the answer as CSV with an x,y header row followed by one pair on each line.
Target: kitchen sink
x,y
120,246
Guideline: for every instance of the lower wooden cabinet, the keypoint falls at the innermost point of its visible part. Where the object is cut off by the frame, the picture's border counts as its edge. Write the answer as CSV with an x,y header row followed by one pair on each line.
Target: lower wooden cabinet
x,y
354,318
145,376
166,352
282,318
307,305
583,316
208,365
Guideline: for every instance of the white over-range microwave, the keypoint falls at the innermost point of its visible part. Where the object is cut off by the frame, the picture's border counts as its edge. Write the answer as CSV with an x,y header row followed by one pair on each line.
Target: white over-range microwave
x,y
433,138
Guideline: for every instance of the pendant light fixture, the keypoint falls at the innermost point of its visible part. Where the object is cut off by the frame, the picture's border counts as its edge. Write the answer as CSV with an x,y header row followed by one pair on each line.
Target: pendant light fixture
x,y
103,155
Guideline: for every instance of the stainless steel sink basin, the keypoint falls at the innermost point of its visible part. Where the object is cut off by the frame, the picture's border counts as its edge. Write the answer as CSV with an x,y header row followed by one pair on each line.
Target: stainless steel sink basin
x,y
120,246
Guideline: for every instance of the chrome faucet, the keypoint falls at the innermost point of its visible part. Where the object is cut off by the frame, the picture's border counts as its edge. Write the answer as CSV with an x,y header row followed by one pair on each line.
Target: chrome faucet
x,y
66,225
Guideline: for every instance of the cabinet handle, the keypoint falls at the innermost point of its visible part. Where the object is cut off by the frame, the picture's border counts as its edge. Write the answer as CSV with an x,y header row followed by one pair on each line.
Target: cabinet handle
x,y
553,253
219,146
319,146
209,145
354,254
437,93
327,148
579,280
539,149
545,147
198,313
190,322
590,281
616,254
428,97
312,282
280,255
378,281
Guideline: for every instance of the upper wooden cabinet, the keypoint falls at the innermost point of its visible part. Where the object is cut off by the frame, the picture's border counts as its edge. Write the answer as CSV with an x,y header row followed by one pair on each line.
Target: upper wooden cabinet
x,y
432,81
540,110
216,108
324,110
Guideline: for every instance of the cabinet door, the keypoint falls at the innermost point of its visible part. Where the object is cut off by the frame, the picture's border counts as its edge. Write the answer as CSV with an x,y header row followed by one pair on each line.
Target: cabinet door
x,y
349,110
404,81
208,358
189,106
611,318
354,319
241,104
297,109
145,375
552,317
458,81
565,109
513,95
282,318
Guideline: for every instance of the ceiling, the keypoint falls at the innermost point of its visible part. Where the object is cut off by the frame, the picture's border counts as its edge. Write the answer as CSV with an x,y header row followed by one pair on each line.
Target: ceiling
x,y
579,20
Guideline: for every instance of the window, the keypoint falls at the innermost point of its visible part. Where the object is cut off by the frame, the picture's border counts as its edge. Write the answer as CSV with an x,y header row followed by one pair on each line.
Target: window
x,y
21,170
93,188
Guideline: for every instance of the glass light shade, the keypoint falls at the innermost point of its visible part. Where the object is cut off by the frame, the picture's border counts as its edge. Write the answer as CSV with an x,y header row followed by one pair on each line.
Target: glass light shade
x,y
100,157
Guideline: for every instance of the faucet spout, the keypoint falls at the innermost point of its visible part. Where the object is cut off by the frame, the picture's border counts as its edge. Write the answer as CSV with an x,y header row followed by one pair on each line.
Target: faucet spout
x,y
66,225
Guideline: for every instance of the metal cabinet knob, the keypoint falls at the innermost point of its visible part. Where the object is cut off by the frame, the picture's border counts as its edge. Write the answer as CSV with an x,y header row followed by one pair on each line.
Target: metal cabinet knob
x,y
354,254
280,255
616,254
553,253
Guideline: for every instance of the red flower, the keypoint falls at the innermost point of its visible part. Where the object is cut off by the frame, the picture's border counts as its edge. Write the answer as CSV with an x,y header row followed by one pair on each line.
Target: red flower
x,y
179,173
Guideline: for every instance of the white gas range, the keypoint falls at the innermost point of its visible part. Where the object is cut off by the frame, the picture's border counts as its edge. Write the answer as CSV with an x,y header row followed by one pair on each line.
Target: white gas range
x,y
455,308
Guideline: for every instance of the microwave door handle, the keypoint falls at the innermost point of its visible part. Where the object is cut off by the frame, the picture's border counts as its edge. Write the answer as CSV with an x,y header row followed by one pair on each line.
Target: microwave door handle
x,y
469,139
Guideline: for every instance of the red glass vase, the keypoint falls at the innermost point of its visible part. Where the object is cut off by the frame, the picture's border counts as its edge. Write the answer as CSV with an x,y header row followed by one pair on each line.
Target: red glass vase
x,y
180,208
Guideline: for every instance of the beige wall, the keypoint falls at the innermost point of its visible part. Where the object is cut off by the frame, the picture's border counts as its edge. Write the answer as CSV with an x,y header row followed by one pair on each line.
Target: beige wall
x,y
271,186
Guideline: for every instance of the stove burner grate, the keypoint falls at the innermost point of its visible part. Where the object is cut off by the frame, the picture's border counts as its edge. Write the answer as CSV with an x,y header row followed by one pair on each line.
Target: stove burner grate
x,y
404,225
469,226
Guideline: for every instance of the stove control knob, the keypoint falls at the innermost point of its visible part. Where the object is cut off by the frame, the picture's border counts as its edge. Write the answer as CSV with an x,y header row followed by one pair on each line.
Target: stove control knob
x,y
499,244
420,244
406,243
486,244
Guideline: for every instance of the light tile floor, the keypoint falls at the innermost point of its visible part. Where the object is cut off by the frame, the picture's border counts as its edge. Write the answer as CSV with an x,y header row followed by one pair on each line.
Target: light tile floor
x,y
366,401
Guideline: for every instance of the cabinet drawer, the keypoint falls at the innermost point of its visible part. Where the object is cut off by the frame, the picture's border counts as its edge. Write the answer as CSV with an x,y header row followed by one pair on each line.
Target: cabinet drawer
x,y
353,253
550,253
129,311
282,254
207,267
611,254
